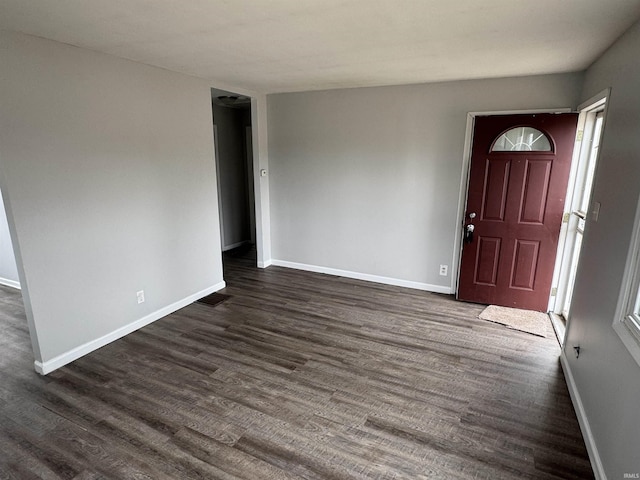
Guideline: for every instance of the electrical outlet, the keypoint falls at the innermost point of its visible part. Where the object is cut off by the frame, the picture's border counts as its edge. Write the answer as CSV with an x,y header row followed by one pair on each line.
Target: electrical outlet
x,y
140,296
443,270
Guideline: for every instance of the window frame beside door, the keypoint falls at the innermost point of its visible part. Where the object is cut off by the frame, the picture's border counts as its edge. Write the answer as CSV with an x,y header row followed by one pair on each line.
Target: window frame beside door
x,y
626,322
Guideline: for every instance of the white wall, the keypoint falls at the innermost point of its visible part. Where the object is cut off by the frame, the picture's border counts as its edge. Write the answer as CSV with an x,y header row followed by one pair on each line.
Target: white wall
x,y
607,379
8,268
368,180
109,173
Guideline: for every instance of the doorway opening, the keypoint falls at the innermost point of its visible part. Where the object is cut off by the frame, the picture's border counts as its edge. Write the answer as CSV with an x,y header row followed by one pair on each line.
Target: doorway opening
x,y
233,135
17,330
578,210
8,265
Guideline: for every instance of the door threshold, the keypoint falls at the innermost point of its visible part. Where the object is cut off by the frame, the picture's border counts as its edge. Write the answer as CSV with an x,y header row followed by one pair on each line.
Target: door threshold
x,y
559,327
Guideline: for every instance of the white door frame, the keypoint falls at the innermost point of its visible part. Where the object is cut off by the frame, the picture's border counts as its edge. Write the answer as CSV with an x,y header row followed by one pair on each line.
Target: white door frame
x,y
259,142
464,179
581,153
261,179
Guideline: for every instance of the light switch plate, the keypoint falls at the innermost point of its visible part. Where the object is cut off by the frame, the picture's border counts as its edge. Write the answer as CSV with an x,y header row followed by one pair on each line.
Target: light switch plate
x,y
595,213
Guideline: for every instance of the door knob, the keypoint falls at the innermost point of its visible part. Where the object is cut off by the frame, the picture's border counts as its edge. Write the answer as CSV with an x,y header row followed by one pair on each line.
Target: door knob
x,y
469,228
468,233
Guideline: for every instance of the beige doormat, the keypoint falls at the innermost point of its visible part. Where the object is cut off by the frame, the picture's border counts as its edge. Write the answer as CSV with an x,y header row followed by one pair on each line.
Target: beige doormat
x,y
524,320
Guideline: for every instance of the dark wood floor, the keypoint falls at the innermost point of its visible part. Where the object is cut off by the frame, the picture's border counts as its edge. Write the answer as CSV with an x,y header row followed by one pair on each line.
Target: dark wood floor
x,y
297,375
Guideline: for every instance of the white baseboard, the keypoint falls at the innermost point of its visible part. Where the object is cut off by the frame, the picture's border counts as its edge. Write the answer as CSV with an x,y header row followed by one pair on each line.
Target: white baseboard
x,y
265,264
589,439
50,365
364,276
9,283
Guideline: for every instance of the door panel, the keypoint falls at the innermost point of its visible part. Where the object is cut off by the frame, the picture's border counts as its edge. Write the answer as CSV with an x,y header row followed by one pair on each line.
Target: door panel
x,y
525,263
519,198
495,192
536,186
487,263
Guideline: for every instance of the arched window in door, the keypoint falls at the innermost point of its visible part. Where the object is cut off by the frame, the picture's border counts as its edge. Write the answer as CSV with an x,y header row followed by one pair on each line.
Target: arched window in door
x,y
522,139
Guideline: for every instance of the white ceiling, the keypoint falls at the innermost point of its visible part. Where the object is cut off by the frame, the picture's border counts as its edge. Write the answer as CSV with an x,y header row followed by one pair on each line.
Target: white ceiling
x,y
291,45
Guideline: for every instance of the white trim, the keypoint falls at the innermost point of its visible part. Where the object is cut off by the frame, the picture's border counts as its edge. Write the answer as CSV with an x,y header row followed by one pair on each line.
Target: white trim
x,y
629,291
234,88
260,145
557,301
627,339
581,149
523,112
50,365
585,428
597,100
10,283
363,276
265,264
260,150
462,202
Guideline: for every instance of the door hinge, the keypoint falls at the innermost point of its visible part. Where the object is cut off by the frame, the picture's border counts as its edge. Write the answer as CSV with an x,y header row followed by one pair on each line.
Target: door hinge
x,y
554,292
579,135
565,217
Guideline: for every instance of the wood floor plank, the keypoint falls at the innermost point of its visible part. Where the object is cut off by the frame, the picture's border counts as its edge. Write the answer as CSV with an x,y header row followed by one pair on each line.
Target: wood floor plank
x,y
295,375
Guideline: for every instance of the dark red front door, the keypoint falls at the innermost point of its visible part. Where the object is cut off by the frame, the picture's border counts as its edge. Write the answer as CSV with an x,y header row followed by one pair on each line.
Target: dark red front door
x,y
517,184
